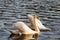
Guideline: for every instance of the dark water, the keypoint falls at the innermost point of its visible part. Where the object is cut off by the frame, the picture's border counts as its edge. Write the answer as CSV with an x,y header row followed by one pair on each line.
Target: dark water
x,y
12,11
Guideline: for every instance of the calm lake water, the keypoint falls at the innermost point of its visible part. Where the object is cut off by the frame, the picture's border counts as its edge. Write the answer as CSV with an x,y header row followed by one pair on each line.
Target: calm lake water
x,y
12,11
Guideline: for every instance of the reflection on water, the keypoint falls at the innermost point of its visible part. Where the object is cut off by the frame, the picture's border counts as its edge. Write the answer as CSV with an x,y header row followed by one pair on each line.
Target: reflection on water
x,y
22,37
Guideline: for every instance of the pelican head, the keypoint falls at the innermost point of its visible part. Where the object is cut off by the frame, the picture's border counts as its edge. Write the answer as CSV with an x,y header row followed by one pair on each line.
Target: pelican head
x,y
38,22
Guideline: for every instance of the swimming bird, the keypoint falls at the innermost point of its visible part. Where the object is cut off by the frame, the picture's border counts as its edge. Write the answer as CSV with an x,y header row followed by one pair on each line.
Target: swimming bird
x,y
21,28
24,29
38,22
34,21
35,25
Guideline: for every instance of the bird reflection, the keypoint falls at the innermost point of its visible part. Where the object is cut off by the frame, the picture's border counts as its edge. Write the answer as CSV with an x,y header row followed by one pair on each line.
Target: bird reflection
x,y
22,37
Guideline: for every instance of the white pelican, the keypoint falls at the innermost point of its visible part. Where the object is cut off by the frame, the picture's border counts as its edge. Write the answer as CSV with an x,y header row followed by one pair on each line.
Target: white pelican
x,y
34,27
38,22
24,29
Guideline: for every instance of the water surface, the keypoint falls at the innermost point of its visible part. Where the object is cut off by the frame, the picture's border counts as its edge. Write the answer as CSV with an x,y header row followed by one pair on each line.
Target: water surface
x,y
12,11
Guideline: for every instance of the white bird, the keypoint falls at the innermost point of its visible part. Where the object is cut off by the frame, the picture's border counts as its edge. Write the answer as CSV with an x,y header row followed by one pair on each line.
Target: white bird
x,y
24,30
38,22
35,23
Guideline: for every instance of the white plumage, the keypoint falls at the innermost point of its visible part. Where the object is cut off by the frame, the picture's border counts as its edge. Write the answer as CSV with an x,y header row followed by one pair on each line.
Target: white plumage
x,y
38,22
35,25
23,28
